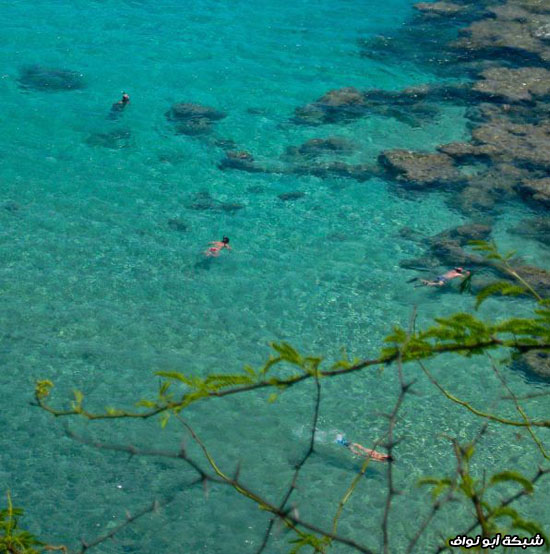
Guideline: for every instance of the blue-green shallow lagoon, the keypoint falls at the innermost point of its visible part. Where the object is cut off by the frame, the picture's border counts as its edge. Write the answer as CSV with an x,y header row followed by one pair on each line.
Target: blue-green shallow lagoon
x,y
98,291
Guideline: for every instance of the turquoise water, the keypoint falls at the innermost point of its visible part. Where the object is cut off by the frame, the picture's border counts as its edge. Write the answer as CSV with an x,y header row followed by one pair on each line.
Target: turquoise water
x,y
98,290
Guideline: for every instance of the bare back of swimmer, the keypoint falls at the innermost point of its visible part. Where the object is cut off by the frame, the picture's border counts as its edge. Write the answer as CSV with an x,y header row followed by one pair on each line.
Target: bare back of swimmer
x,y
360,450
217,246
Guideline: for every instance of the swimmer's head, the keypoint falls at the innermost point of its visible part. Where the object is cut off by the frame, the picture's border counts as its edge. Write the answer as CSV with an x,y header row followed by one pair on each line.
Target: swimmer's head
x,y
125,97
225,240
459,269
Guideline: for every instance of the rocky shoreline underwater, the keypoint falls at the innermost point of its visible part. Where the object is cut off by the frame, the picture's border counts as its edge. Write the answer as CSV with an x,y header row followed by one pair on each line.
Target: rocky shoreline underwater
x,y
500,67
492,59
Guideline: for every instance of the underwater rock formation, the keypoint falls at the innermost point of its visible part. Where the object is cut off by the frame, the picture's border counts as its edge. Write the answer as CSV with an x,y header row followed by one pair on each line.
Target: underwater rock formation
x,y
536,362
347,104
50,79
193,119
514,85
439,8
525,144
515,28
318,147
420,169
537,228
203,201
462,234
115,139
240,159
537,190
293,195
177,225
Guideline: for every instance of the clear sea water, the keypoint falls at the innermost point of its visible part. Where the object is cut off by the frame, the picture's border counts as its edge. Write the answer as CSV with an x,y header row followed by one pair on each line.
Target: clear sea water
x,y
98,291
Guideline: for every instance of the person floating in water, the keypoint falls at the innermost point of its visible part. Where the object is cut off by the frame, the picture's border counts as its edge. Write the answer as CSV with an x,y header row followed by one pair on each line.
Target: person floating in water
x,y
359,450
217,246
118,107
441,280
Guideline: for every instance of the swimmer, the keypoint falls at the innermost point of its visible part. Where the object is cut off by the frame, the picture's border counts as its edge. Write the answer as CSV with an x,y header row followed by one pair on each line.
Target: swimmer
x,y
117,107
441,280
217,246
359,450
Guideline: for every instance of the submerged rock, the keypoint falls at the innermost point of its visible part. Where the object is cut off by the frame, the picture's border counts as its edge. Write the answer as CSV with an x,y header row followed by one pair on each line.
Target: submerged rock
x,y
294,195
359,172
537,277
203,201
335,105
11,206
115,139
407,106
464,151
177,225
317,147
537,228
537,190
419,169
240,159
513,30
463,234
536,362
439,8
193,119
514,85
184,111
37,77
522,144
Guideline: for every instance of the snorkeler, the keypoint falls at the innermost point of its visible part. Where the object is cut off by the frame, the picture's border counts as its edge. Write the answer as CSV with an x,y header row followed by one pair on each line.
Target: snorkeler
x,y
118,107
217,246
359,450
441,280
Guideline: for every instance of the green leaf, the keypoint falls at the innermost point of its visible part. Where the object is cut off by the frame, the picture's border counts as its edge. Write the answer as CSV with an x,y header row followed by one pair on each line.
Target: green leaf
x,y
164,419
505,476
503,288
288,353
176,376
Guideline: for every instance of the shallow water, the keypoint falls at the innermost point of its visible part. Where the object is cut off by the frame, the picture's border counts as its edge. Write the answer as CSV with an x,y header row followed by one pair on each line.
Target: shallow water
x,y
98,290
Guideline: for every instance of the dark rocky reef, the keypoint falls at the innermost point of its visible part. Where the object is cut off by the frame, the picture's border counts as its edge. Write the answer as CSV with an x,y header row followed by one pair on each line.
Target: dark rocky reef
x,y
50,79
193,119
419,169
348,104
298,165
537,228
535,362
537,190
293,195
240,159
439,8
115,139
318,147
516,30
514,85
359,172
177,224
11,206
203,201
524,144
446,249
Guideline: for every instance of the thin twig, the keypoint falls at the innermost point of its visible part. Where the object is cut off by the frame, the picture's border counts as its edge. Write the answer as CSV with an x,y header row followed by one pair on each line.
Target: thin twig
x,y
299,466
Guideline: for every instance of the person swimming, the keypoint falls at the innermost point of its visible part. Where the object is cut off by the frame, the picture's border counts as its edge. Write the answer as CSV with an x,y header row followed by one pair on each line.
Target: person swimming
x,y
443,279
217,246
359,450
118,107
